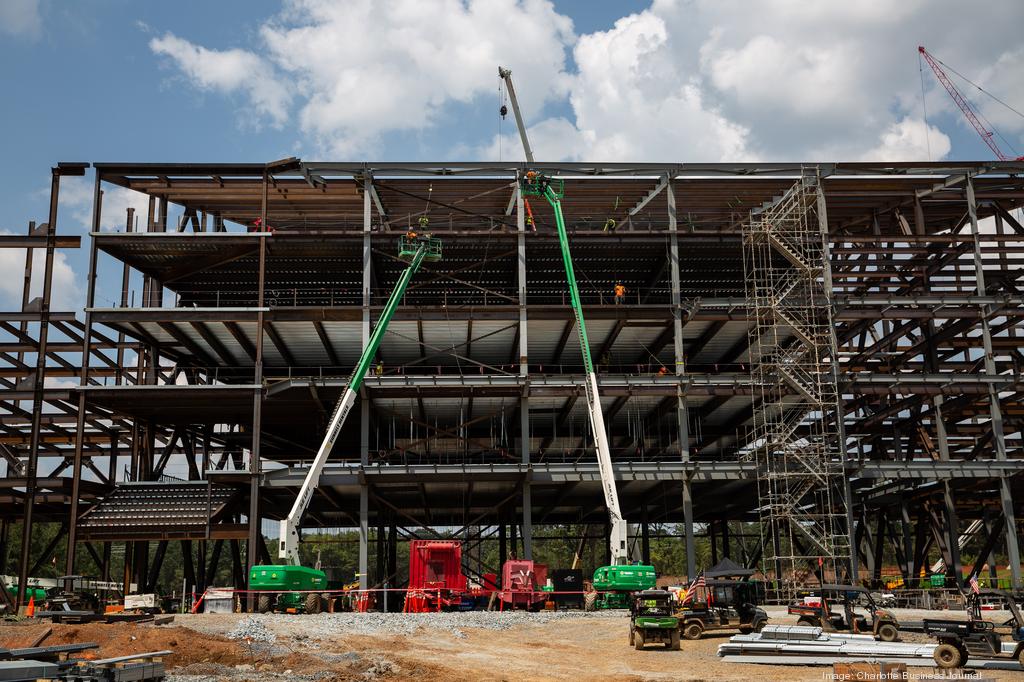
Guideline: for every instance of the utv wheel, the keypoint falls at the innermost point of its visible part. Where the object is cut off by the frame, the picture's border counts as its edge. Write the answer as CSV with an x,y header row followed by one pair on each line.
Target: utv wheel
x,y
632,636
312,603
1020,658
590,601
638,640
888,632
948,656
673,644
808,622
693,630
263,603
759,625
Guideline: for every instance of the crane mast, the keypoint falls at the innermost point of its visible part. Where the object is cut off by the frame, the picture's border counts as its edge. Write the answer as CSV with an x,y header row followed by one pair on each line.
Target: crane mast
x,y
538,184
414,250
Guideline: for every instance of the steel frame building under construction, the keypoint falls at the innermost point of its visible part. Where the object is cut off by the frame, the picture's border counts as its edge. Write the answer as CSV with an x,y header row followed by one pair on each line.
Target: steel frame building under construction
x,y
833,350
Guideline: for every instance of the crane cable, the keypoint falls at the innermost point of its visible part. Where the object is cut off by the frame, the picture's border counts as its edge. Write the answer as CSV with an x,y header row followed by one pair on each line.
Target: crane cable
x,y
991,127
924,106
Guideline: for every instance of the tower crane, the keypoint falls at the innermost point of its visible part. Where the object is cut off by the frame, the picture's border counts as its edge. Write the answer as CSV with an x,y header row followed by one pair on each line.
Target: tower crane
x,y
535,183
987,136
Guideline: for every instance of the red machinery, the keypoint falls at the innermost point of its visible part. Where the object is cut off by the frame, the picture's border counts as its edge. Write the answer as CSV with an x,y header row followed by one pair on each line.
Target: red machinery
x,y
521,583
436,580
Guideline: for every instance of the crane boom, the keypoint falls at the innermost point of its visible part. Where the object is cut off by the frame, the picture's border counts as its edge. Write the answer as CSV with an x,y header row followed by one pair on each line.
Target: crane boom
x,y
987,135
506,75
535,183
415,250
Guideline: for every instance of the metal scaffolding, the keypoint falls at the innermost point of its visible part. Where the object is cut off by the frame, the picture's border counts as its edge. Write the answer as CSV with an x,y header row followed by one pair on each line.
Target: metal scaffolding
x,y
797,430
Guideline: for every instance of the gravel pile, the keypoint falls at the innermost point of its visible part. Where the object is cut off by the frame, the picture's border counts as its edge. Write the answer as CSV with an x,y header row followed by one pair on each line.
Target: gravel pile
x,y
252,630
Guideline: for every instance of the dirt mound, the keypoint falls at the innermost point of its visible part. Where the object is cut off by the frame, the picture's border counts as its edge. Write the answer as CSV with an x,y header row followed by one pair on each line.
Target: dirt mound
x,y
121,639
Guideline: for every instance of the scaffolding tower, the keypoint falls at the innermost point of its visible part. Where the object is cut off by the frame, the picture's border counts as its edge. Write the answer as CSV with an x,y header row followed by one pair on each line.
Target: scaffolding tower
x,y
797,434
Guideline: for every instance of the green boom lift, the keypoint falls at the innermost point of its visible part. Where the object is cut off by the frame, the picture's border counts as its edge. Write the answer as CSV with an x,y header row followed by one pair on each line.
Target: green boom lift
x,y
618,581
290,586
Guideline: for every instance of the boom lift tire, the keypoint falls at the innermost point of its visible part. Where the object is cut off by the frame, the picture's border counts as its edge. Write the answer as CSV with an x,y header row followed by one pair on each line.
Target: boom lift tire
x,y
263,603
313,603
590,601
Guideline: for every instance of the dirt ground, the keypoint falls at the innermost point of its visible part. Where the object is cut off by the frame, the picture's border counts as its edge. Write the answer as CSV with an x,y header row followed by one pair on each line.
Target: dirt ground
x,y
579,649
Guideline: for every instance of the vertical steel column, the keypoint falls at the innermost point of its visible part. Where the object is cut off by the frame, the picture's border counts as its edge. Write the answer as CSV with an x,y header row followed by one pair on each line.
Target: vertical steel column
x,y
364,408
255,524
524,371
821,209
995,411
682,411
76,476
38,385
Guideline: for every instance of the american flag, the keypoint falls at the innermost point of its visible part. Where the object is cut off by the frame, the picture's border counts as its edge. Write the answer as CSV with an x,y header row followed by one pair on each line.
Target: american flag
x,y
691,590
974,585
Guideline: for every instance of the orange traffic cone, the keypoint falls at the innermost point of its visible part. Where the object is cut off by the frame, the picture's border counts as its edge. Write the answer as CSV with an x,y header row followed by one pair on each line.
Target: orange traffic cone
x,y
30,610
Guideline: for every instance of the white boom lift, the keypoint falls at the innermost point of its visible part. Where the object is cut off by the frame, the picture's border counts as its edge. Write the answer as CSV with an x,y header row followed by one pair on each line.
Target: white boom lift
x,y
538,184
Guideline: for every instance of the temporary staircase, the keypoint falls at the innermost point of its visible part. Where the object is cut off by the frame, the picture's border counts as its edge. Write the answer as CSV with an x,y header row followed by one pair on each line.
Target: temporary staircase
x,y
797,437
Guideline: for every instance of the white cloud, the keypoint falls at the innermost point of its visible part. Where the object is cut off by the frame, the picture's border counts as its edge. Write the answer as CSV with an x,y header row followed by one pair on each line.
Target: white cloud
x,y
65,292
702,80
910,140
76,198
21,18
362,69
229,71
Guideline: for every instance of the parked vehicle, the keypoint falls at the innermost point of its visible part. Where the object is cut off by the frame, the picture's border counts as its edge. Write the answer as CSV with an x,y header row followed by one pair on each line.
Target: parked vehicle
x,y
722,605
651,620
960,640
836,610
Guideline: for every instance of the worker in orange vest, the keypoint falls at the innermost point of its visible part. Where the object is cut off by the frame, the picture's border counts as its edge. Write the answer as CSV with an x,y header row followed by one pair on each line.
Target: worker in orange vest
x,y
620,293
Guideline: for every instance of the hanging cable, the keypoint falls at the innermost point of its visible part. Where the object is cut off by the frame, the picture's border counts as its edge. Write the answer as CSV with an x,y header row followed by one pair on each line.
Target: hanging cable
x,y
924,106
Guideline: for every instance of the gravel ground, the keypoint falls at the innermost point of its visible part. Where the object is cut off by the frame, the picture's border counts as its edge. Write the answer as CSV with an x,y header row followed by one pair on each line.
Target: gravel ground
x,y
327,625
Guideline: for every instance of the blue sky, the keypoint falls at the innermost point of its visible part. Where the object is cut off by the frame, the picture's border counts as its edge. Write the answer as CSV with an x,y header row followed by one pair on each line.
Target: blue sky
x,y
662,81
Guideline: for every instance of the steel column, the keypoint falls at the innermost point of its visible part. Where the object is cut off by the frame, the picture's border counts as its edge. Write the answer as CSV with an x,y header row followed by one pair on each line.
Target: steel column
x,y
255,524
76,480
38,384
996,413
524,370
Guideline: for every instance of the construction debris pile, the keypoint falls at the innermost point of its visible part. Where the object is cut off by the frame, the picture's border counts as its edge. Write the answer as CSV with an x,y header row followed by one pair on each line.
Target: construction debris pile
x,y
58,663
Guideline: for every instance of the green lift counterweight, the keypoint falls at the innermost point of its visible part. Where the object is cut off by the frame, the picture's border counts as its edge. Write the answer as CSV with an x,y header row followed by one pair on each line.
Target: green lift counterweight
x,y
282,579
618,581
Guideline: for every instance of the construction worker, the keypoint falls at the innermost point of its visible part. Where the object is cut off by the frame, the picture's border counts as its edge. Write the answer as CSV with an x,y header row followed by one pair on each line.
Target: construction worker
x,y
620,293
410,235
663,371
379,370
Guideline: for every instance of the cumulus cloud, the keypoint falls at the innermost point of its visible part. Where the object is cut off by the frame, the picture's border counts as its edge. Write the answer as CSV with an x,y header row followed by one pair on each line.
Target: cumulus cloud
x,y
229,71
910,140
703,80
360,69
65,292
21,18
76,198
631,103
